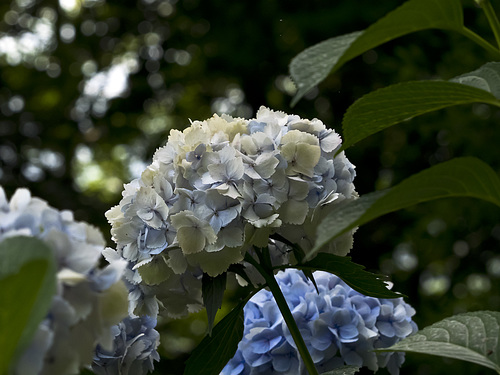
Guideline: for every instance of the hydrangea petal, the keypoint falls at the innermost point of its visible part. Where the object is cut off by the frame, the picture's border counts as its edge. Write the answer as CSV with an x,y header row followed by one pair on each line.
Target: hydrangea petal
x,y
217,262
155,271
293,212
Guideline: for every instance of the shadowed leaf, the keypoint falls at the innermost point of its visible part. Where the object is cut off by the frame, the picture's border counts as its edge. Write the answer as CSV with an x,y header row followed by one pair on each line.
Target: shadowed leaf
x,y
212,290
315,63
366,283
391,105
213,353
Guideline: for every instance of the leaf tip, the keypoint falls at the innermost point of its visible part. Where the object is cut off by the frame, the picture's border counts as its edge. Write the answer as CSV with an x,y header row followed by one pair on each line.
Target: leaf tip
x,y
341,149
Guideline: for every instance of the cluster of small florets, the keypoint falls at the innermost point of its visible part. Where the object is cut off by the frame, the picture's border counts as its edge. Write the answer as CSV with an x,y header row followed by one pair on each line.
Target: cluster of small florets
x,y
218,188
89,300
134,348
339,325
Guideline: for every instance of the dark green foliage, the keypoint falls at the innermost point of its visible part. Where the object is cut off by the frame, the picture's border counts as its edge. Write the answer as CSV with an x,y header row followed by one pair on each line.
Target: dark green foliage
x,y
213,289
212,354
353,275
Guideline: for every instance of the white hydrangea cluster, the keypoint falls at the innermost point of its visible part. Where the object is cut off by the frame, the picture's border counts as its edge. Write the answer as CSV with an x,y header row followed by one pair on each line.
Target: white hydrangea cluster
x,y
89,300
217,189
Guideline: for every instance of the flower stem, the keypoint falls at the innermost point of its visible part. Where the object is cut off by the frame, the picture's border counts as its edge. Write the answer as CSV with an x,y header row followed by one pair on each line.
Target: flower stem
x,y
483,43
285,310
492,18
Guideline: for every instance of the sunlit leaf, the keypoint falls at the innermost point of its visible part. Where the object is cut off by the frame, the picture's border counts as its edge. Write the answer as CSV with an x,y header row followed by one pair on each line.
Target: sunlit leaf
x,y
344,370
27,284
485,78
460,177
366,283
391,105
213,353
213,289
472,337
313,65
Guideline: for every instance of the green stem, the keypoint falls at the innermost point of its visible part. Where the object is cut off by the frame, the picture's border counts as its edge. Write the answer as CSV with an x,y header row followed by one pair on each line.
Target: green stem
x,y
285,311
492,18
483,43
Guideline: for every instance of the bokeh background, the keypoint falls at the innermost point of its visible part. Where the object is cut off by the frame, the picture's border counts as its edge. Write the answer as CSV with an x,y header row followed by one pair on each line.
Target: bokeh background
x,y
90,88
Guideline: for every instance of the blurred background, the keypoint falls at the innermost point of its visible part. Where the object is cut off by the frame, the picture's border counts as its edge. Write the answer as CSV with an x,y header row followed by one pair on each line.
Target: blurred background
x,y
90,88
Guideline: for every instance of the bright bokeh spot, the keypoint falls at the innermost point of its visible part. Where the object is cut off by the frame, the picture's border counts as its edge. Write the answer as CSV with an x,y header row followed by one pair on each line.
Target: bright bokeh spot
x,y
71,7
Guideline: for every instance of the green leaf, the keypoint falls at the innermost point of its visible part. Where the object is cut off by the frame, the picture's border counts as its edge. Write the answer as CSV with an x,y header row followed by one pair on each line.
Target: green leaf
x,y
487,78
460,177
313,65
212,291
391,105
344,370
213,353
386,107
353,275
86,371
27,284
471,337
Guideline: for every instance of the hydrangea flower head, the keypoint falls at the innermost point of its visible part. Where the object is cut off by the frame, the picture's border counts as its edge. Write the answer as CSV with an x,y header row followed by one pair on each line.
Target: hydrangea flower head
x,y
339,325
134,348
222,186
89,300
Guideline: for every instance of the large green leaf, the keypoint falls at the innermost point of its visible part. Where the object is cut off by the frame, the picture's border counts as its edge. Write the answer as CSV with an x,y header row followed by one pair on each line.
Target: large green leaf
x,y
366,283
460,177
472,337
386,107
313,65
391,105
212,290
27,284
214,351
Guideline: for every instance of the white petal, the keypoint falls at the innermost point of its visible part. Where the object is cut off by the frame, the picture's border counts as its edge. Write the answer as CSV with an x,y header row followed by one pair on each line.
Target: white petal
x,y
70,277
20,199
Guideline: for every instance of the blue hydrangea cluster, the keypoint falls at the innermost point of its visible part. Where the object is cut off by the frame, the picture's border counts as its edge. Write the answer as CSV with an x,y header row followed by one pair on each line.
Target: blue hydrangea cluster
x,y
217,189
134,348
339,325
89,299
